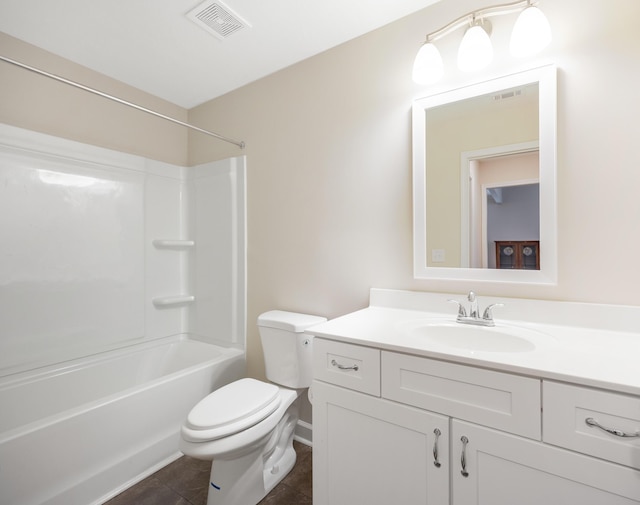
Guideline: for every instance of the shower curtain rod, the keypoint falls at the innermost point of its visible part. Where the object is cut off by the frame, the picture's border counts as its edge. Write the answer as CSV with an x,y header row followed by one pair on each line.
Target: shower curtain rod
x,y
240,144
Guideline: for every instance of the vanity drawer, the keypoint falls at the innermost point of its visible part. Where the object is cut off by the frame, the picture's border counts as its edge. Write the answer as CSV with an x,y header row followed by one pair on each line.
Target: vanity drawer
x,y
347,365
494,399
568,410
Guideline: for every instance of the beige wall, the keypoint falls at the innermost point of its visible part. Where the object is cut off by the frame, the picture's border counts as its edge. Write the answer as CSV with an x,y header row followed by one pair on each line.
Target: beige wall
x,y
38,103
329,171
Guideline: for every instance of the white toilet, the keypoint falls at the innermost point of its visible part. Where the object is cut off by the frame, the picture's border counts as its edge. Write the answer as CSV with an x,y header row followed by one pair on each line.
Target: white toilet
x,y
246,427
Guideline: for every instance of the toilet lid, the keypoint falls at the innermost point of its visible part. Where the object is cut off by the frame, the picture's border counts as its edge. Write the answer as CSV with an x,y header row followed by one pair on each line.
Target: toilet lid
x,y
234,407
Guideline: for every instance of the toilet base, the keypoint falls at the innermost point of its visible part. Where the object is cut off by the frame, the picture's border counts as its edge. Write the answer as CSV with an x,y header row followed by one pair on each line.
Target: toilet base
x,y
247,479
273,474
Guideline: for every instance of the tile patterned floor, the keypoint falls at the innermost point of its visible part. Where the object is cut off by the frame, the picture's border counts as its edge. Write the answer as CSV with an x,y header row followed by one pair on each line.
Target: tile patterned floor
x,y
186,482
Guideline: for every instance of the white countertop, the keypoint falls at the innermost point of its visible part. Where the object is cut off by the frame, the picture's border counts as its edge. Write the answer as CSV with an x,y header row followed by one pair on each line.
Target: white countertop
x,y
602,355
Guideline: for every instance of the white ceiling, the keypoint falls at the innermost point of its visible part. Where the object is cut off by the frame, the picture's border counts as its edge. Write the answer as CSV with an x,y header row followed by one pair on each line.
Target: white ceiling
x,y
153,46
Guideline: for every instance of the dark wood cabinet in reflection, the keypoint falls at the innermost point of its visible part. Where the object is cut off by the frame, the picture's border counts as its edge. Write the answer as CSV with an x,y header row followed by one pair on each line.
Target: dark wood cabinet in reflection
x,y
518,254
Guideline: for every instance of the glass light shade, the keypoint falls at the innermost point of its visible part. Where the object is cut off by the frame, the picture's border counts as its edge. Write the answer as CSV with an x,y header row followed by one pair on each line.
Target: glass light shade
x,y
531,33
475,51
428,67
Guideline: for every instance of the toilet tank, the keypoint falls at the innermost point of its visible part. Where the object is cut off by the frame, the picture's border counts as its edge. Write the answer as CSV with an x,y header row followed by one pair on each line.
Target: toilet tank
x,y
287,350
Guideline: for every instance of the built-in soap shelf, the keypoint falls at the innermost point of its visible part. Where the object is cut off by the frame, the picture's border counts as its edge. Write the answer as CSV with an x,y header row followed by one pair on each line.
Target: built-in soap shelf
x,y
161,302
173,301
173,244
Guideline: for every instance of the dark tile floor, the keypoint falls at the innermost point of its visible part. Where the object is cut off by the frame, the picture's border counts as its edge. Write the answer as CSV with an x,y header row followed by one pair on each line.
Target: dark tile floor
x,y
186,482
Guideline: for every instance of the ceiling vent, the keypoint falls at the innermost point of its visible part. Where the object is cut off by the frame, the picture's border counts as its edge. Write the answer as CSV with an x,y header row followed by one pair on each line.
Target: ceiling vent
x,y
217,18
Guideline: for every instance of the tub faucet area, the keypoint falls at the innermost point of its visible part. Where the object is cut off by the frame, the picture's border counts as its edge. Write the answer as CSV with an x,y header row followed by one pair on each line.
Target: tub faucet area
x,y
474,313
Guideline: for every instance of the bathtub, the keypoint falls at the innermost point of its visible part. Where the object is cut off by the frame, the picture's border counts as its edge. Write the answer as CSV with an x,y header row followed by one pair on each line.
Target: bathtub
x,y
86,430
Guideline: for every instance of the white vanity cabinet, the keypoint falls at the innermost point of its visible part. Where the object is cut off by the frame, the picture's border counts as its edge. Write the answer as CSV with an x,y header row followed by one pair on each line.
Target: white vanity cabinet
x,y
503,469
372,451
595,422
368,450
374,442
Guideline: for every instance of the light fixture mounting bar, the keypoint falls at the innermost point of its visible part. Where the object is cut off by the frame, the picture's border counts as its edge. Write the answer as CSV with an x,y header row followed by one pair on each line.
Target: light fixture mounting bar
x,y
487,12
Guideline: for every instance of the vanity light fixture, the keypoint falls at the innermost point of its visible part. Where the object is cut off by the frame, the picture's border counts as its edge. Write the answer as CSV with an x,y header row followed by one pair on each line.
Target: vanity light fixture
x,y
475,51
531,33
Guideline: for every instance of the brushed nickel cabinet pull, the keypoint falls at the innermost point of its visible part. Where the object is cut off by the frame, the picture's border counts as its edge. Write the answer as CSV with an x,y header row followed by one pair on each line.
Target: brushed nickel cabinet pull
x,y
463,457
436,462
344,367
590,421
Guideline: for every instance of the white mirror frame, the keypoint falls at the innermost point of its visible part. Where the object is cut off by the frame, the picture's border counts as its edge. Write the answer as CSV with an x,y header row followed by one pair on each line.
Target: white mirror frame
x,y
546,79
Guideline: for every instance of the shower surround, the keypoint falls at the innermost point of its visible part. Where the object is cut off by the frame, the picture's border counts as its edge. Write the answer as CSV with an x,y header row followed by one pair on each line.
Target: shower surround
x,y
110,262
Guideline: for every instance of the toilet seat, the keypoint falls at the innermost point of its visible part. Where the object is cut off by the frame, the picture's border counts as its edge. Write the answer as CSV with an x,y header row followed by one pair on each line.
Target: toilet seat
x,y
231,409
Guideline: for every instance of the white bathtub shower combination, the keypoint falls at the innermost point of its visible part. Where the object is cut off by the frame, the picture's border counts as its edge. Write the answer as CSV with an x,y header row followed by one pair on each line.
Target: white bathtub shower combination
x,y
83,432
122,294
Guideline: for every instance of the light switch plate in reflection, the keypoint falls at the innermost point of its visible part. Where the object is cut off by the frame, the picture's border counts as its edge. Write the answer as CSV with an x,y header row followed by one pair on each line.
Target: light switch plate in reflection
x,y
437,255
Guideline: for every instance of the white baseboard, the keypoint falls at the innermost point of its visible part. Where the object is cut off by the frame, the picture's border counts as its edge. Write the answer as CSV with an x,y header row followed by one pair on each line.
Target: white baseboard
x,y
304,433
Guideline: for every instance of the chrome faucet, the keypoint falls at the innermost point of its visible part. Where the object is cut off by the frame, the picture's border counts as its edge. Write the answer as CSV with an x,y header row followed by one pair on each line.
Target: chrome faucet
x,y
474,313
473,305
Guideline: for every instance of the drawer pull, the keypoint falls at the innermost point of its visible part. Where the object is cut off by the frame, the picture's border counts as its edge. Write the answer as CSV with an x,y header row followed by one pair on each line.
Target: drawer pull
x,y
590,421
436,463
355,368
463,457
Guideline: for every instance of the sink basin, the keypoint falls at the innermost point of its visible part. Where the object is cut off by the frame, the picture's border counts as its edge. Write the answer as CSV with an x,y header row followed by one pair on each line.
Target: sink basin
x,y
479,338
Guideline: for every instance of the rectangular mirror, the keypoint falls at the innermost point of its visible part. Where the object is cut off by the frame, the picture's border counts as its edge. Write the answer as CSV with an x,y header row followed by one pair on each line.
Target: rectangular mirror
x,y
484,181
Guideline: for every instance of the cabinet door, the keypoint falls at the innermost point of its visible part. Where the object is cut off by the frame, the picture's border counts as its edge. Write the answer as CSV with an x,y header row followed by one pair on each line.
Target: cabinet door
x,y
503,469
367,450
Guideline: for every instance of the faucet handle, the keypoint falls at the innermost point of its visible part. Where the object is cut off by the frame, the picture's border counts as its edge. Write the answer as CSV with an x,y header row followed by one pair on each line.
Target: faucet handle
x,y
488,315
461,310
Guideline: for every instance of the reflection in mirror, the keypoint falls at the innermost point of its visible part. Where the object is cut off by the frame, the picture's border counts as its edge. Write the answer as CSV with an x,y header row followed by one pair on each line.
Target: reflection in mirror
x,y
510,214
484,175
